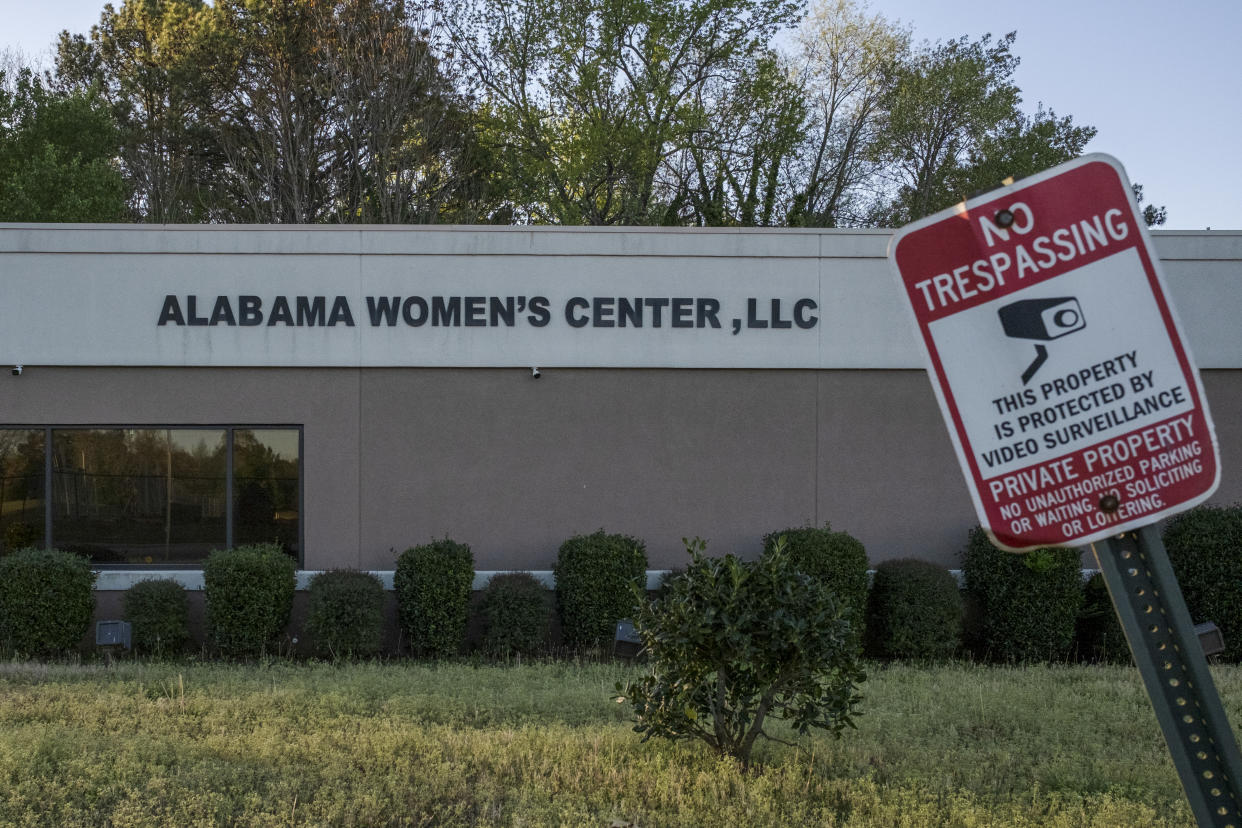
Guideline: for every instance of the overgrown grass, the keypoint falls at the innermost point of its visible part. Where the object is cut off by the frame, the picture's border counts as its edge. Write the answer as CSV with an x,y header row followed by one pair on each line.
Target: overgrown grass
x,y
544,744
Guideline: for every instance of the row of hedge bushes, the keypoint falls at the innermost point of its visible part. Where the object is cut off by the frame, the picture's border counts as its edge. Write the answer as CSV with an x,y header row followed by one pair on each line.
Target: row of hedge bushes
x,y
1034,607
1011,608
249,592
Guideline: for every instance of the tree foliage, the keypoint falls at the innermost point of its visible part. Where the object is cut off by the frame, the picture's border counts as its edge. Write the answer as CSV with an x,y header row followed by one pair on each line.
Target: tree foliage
x,y
604,112
262,111
733,642
56,151
147,59
941,108
1153,216
847,63
592,104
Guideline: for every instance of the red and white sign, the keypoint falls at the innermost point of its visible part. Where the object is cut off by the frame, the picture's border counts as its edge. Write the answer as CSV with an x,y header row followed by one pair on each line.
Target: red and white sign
x,y
1057,358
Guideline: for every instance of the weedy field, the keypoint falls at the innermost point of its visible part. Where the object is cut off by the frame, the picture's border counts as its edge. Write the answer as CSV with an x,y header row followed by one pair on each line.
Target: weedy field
x,y
545,744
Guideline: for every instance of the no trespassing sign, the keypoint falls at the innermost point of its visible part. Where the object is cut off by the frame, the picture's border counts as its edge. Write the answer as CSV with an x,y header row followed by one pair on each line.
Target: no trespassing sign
x,y
1073,403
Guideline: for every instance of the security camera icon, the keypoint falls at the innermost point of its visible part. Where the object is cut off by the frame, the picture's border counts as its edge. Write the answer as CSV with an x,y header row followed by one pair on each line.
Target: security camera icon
x,y
1043,320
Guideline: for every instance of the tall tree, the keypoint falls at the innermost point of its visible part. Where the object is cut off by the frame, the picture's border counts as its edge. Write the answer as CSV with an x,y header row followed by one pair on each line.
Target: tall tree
x,y
733,173
57,153
946,101
847,63
148,59
331,110
1018,146
280,111
1153,216
405,148
270,109
588,100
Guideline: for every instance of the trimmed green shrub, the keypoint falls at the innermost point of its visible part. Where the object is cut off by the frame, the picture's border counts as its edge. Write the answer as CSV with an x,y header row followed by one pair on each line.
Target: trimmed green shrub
x,y
914,611
1099,637
19,535
1026,605
159,614
46,601
515,615
249,593
598,579
433,583
731,642
837,560
345,613
1205,548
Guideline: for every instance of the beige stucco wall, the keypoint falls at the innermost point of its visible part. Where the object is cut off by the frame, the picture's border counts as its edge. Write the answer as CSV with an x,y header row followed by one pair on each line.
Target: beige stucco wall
x,y
513,465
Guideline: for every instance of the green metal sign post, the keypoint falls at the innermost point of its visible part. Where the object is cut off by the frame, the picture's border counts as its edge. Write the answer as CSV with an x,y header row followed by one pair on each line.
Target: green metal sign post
x,y
1175,672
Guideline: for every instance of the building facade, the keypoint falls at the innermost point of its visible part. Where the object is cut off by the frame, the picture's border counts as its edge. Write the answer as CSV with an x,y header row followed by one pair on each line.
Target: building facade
x,y
349,393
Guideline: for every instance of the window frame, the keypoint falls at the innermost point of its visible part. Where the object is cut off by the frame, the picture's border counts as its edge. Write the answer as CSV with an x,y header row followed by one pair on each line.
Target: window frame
x,y
229,517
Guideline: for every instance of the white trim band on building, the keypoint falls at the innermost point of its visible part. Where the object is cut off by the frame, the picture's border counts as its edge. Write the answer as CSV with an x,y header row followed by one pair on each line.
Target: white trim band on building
x,y
192,579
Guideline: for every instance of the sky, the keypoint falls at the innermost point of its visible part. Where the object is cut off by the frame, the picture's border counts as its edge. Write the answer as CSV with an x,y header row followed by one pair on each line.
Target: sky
x,y
1158,79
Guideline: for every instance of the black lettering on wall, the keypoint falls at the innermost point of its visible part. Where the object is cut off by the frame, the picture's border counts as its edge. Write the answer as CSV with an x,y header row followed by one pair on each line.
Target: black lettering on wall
x,y
657,307
311,311
476,311
575,304
191,311
777,321
383,309
802,317
250,310
280,312
540,314
446,312
171,312
411,318
752,315
630,313
222,313
708,310
502,311
683,312
602,318
341,312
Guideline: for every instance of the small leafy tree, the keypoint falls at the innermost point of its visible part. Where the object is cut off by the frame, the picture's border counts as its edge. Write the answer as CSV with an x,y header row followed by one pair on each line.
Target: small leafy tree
x,y
733,642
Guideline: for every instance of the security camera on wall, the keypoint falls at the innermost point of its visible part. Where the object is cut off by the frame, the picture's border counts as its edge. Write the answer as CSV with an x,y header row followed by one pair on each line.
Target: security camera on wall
x,y
17,370
535,373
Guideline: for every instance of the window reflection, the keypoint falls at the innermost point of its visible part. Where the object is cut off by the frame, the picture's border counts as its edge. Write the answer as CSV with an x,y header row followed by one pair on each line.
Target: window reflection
x,y
21,488
266,496
139,495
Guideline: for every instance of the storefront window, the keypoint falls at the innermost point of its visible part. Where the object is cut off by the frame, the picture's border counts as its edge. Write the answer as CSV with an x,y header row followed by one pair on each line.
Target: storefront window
x,y
22,464
139,496
266,483
151,496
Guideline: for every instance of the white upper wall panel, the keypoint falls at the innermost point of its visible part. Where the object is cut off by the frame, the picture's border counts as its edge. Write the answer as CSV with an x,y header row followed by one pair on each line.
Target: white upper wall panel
x,y
500,296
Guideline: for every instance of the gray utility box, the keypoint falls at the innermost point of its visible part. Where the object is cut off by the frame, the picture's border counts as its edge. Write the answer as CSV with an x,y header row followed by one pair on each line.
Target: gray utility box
x,y
626,643
112,634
